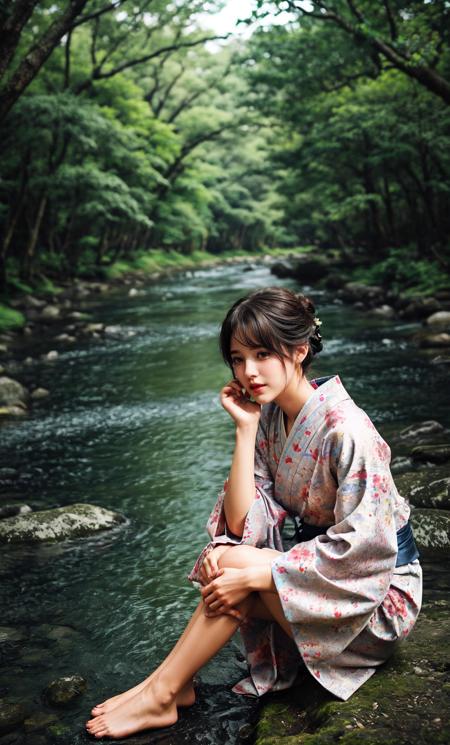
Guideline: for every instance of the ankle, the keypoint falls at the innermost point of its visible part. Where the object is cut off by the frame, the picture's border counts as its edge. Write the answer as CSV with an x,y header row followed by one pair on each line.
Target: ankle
x,y
165,689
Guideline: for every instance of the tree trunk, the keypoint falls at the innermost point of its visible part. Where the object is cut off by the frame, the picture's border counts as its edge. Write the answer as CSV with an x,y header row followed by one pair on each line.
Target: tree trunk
x,y
31,246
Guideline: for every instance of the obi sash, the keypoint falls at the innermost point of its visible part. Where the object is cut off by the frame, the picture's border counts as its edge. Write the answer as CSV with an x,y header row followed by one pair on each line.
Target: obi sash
x,y
407,549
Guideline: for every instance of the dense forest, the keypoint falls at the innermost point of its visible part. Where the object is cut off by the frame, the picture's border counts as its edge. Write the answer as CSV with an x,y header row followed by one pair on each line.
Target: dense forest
x,y
127,126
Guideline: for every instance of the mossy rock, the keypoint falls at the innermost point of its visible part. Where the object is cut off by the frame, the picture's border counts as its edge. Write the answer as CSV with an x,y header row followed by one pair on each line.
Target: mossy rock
x,y
405,702
432,529
426,488
431,453
73,521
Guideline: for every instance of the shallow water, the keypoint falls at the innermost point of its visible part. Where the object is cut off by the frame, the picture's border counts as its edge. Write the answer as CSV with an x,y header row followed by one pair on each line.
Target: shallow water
x,y
133,424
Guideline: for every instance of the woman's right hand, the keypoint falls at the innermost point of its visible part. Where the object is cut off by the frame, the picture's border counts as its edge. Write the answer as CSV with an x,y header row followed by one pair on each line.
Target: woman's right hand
x,y
210,566
238,405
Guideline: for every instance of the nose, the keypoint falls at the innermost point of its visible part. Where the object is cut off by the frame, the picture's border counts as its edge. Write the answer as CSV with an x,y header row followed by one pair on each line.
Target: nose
x,y
250,368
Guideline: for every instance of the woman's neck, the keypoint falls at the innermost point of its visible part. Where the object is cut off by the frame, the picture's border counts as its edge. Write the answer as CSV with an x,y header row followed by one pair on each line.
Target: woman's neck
x,y
293,399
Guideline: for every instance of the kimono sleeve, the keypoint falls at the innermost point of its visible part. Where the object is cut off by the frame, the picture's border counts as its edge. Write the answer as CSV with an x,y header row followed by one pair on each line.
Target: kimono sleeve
x,y
330,586
264,520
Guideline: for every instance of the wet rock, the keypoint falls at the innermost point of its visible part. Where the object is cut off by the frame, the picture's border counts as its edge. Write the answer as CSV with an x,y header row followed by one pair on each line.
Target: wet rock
x,y
39,393
400,464
431,453
134,292
11,510
13,738
441,318
441,359
50,313
11,716
63,691
369,295
431,529
3,349
13,411
94,328
12,393
417,308
282,269
395,707
76,315
383,311
422,490
64,339
50,356
8,634
431,341
30,301
58,524
414,431
39,720
7,473
308,268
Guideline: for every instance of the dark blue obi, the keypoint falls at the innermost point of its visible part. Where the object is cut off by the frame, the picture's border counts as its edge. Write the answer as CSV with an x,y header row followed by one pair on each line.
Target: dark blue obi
x,y
407,549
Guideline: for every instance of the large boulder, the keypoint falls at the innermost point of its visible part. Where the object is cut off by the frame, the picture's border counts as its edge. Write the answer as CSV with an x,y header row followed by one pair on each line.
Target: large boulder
x,y
282,269
432,529
310,268
425,488
357,292
431,453
440,319
405,701
73,521
12,393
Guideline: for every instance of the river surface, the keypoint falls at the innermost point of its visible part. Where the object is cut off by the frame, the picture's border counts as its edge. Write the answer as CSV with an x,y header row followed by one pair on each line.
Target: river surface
x,y
133,423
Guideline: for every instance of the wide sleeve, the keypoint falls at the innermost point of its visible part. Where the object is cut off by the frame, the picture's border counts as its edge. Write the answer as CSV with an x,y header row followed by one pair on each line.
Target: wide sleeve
x,y
330,586
264,520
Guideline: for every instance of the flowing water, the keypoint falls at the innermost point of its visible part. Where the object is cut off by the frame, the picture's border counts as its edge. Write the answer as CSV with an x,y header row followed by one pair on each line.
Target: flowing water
x,y
133,424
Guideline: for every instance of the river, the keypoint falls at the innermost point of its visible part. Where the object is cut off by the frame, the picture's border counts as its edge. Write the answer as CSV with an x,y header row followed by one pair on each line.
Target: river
x,y
133,424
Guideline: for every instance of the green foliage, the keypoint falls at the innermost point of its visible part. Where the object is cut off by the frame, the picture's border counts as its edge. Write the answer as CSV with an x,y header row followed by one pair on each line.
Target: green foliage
x,y
10,318
399,272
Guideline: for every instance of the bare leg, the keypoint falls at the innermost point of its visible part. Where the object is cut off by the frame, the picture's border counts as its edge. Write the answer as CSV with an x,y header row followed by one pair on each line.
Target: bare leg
x,y
155,705
186,696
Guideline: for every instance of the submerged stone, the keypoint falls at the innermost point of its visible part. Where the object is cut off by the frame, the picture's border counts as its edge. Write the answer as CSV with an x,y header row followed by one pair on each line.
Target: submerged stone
x,y
64,690
431,453
429,487
397,706
73,521
11,716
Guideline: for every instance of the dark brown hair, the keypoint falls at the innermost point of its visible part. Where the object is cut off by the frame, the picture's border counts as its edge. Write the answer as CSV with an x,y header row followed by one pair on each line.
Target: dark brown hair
x,y
274,318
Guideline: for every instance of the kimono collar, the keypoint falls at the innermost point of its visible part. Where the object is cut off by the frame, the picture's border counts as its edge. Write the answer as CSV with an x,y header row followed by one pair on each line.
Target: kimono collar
x,y
328,392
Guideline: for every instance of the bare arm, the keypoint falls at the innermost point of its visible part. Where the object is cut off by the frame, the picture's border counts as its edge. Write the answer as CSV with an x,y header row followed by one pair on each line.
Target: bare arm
x,y
240,491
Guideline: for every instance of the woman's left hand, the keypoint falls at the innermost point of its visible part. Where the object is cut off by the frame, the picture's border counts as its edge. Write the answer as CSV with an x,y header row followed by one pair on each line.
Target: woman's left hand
x,y
226,591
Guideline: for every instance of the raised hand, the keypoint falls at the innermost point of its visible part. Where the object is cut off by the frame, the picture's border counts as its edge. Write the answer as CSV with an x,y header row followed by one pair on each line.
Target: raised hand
x,y
236,401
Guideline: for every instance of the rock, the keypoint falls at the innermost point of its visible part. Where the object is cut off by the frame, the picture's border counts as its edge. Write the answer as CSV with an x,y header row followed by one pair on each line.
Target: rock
x,y
12,393
39,720
281,269
335,281
425,488
50,313
58,524
431,453
33,302
39,393
14,411
441,318
64,338
310,268
441,359
430,341
418,307
134,292
11,510
394,707
383,311
76,315
3,349
400,464
50,356
9,634
7,473
11,715
95,328
64,690
353,292
431,529
429,427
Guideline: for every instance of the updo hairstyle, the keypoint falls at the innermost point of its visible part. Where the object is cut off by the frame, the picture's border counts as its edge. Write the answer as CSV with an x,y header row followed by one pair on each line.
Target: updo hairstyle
x,y
274,318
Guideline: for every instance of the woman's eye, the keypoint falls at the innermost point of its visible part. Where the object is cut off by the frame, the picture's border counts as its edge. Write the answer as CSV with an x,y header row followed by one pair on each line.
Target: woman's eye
x,y
263,355
235,360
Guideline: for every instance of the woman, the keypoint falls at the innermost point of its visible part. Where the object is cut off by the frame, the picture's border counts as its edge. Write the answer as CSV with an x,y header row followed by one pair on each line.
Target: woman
x,y
338,601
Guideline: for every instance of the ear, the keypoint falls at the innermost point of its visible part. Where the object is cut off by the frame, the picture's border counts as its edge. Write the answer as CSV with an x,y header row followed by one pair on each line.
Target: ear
x,y
300,353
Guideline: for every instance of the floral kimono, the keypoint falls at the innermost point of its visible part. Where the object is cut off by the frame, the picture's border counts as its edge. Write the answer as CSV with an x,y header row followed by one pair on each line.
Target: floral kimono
x,y
346,601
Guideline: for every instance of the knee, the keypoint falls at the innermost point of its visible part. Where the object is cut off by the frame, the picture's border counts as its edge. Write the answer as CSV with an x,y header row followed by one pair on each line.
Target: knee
x,y
237,557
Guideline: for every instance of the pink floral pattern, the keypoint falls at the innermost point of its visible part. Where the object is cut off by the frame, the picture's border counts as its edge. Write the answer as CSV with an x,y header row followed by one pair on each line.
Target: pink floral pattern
x,y
347,603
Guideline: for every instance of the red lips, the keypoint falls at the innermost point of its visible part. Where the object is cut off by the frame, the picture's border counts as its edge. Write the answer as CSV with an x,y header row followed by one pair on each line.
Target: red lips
x,y
256,388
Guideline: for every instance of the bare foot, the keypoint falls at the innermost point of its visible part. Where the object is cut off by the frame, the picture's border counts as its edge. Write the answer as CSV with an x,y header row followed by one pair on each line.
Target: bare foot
x,y
152,707
186,697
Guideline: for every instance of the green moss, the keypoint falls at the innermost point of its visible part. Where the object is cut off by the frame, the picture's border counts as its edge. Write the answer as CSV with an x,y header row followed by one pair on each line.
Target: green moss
x,y
405,701
10,318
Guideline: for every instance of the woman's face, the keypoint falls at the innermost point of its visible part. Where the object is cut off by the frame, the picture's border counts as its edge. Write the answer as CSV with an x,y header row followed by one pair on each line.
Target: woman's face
x,y
263,375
